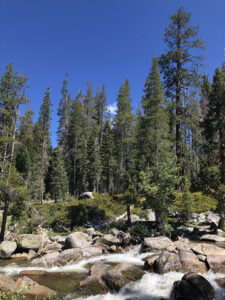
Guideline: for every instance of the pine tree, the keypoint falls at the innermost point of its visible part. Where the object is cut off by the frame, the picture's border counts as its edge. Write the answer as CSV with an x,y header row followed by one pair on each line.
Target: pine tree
x,y
123,134
158,176
77,146
94,159
58,177
88,100
12,95
216,116
215,132
99,110
125,180
107,156
139,142
180,66
156,123
24,151
42,147
64,114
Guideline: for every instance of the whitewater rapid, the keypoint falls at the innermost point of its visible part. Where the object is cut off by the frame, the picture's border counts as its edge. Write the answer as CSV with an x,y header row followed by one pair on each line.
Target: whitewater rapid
x,y
151,287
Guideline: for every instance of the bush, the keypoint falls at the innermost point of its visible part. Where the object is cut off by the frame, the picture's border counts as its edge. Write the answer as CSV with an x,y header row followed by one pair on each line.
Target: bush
x,y
11,296
140,230
75,213
142,213
198,202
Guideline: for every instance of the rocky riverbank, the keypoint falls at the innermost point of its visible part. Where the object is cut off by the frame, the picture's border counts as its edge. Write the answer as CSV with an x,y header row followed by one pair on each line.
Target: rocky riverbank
x,y
158,255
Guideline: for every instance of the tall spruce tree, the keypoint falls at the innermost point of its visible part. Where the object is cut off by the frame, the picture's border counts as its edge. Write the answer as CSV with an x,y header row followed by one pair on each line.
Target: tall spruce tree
x,y
88,100
215,133
64,114
158,176
42,147
180,66
107,156
125,180
94,159
58,177
77,146
12,95
99,110
24,151
123,133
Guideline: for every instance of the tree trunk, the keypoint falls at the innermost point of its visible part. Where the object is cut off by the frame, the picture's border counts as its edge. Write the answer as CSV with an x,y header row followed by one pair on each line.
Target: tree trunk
x,y
128,215
4,219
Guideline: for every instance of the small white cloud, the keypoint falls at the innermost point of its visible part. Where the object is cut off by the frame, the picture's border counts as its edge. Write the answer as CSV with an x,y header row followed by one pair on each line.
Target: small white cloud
x,y
112,108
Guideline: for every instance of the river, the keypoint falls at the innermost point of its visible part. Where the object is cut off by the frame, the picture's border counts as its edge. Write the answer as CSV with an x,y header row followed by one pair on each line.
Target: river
x,y
64,279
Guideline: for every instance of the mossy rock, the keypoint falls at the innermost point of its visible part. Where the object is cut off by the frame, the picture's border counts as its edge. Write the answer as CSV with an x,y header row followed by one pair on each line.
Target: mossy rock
x,y
30,242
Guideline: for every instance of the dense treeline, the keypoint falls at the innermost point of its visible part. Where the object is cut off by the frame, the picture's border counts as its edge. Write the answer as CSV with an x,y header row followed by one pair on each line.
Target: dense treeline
x,y
174,143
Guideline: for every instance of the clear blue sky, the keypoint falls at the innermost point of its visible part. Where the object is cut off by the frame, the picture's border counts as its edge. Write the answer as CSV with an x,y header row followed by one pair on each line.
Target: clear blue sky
x,y
104,41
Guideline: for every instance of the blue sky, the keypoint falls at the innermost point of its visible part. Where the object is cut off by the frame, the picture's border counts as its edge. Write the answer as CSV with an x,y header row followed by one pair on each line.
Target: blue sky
x,y
104,41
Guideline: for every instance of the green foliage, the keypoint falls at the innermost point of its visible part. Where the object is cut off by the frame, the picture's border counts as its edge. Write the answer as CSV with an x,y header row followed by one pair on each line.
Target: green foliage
x,y
140,230
76,213
159,194
11,296
198,202
123,136
58,177
139,211
220,196
180,66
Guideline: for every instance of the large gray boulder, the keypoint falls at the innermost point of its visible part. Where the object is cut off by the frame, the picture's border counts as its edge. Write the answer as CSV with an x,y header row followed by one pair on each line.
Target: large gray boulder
x,y
216,263
28,242
70,255
7,248
157,243
121,275
86,195
114,280
211,217
99,268
192,286
110,240
29,288
91,251
207,249
47,260
212,238
151,215
59,239
167,262
91,286
130,271
179,261
77,240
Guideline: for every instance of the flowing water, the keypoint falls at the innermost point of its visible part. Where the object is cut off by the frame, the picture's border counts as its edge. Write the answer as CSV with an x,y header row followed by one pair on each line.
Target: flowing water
x,y
64,279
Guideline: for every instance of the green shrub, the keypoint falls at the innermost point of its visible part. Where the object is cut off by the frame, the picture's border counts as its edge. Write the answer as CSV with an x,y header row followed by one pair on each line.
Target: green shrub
x,y
142,213
140,230
11,296
199,202
74,213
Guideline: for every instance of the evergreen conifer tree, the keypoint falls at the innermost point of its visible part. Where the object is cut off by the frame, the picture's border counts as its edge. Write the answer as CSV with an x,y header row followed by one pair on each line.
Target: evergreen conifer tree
x,y
12,95
123,134
158,177
180,66
42,147
58,177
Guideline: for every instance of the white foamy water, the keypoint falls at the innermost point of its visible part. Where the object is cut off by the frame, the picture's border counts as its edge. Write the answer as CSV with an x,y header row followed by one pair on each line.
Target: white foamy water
x,y
154,287
132,257
151,287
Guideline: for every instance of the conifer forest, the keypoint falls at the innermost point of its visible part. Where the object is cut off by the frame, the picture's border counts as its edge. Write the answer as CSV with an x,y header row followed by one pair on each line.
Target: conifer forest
x,y
167,153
